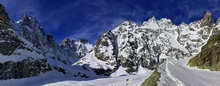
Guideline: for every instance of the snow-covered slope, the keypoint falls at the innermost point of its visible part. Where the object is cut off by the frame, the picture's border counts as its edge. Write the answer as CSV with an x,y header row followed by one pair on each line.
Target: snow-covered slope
x,y
177,73
78,47
27,51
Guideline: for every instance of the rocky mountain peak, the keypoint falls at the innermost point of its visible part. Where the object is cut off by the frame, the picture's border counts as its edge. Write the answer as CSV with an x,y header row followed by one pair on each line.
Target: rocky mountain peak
x,y
207,19
152,19
124,27
29,21
146,45
126,23
30,29
3,15
29,52
67,42
8,39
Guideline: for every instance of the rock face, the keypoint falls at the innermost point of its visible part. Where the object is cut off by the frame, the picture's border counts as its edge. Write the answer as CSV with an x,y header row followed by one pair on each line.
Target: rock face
x,y
106,48
130,45
8,40
207,20
10,43
31,30
5,20
24,68
209,57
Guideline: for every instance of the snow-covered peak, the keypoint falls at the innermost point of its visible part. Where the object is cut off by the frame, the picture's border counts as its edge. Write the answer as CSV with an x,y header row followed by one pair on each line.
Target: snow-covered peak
x,y
125,27
155,24
126,23
67,42
150,20
30,23
78,47
151,23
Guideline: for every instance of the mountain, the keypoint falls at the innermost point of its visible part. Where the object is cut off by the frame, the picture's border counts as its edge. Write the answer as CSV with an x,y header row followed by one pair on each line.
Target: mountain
x,y
9,41
154,45
156,50
27,51
130,45
208,58
12,47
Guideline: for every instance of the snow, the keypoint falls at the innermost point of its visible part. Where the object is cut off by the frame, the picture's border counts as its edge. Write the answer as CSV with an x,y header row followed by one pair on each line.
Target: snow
x,y
19,55
93,62
151,24
89,46
163,56
161,33
54,78
40,80
142,70
173,41
107,49
183,75
121,71
131,80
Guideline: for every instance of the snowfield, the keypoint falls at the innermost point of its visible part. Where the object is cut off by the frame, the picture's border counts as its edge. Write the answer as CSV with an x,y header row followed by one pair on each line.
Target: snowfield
x,y
131,80
56,79
192,76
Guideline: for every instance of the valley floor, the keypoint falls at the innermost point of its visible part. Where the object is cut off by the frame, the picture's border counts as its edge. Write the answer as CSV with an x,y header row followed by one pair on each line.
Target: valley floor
x,y
179,71
57,79
131,80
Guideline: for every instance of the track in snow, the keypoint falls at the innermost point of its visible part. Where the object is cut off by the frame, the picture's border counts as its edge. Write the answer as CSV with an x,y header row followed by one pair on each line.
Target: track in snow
x,y
193,77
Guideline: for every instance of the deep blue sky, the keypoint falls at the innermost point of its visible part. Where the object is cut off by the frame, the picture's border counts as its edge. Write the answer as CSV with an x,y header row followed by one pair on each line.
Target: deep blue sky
x,y
89,18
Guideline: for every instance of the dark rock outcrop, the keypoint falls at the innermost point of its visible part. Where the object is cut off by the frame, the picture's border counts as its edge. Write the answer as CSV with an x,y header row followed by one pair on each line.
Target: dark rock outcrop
x,y
30,51
207,19
23,69
8,40
108,39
